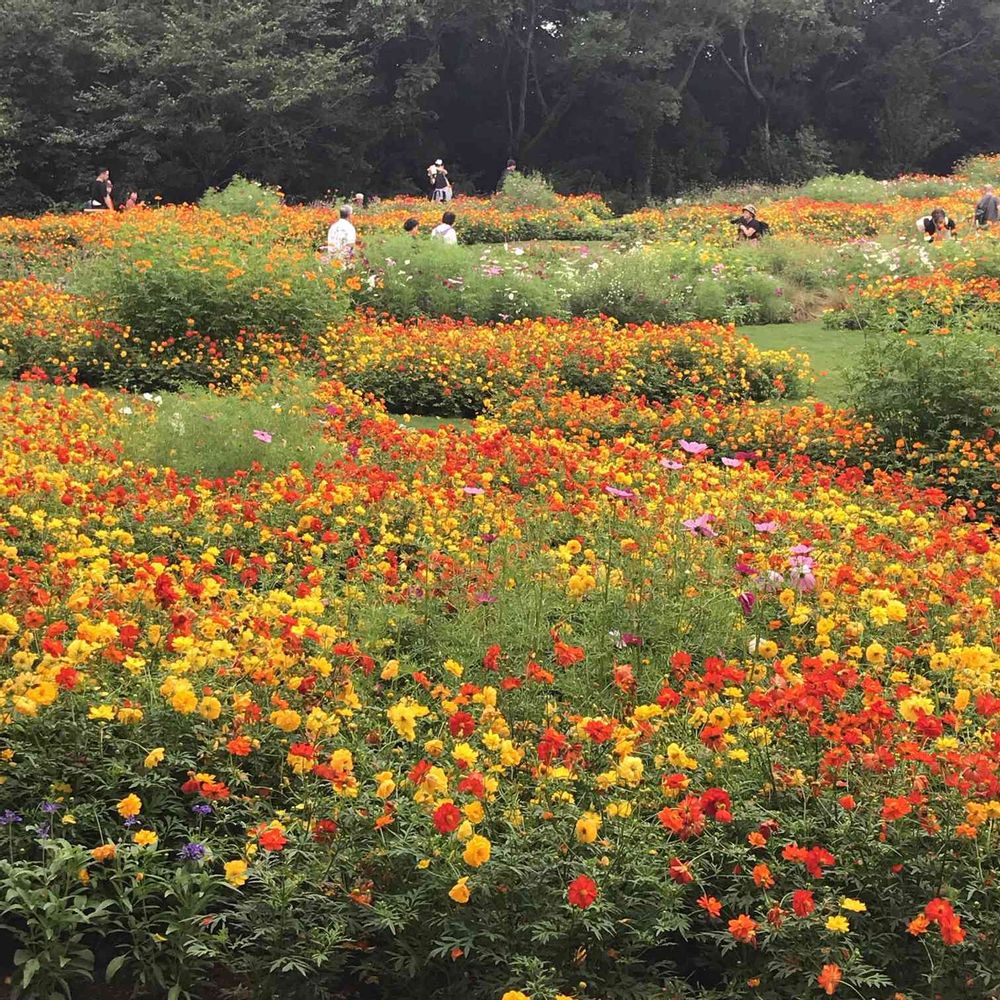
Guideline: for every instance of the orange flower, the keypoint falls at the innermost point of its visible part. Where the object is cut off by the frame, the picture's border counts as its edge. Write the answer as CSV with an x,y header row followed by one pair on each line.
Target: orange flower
x,y
105,852
744,929
762,876
829,979
918,925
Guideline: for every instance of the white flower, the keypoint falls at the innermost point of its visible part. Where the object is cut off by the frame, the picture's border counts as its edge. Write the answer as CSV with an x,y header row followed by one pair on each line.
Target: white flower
x,y
127,410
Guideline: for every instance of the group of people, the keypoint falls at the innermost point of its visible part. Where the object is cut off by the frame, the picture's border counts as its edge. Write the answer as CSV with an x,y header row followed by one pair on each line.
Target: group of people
x,y
440,185
342,237
940,226
101,195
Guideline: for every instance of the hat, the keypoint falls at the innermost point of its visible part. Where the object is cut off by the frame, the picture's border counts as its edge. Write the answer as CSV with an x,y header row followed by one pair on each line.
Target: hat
x,y
439,163
750,209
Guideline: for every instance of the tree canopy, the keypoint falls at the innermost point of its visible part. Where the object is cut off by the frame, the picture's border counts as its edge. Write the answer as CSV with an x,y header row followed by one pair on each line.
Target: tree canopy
x,y
636,98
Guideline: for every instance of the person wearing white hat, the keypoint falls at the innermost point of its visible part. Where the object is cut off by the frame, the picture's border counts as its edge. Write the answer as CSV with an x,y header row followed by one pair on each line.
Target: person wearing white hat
x,y
749,226
440,187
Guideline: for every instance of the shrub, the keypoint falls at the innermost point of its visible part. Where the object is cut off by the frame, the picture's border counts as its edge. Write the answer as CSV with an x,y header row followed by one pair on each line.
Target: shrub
x,y
925,389
983,169
166,281
527,191
242,197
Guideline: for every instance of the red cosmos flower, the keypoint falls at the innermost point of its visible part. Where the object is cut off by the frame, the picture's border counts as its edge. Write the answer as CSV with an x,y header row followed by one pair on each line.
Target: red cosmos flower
x,y
550,745
68,678
598,731
582,892
566,655
896,808
473,784
685,820
214,791
829,979
762,876
680,872
307,750
847,802
717,804
461,725
447,817
744,929
803,902
710,905
491,660
624,678
813,858
418,771
324,831
272,840
714,737
239,746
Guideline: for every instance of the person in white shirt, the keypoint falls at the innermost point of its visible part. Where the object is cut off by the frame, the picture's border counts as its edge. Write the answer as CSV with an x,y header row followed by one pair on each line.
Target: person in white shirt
x,y
342,236
446,230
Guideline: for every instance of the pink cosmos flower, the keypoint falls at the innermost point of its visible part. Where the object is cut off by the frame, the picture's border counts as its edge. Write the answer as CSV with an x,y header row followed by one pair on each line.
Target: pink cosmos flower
x,y
733,463
669,463
264,436
701,525
765,527
693,447
613,491
473,491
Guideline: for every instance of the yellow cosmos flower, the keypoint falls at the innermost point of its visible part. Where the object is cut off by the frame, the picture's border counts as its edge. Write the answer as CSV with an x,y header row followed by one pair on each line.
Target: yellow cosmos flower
x,y
587,827
154,758
129,806
477,851
854,905
460,891
236,872
145,838
838,924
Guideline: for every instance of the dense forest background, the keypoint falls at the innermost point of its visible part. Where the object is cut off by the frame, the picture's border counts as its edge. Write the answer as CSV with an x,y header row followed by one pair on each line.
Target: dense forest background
x,y
635,98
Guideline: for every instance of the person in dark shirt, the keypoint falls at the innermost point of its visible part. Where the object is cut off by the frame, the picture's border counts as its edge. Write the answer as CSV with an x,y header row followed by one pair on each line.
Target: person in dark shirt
x,y
749,227
511,168
937,226
987,209
100,194
412,226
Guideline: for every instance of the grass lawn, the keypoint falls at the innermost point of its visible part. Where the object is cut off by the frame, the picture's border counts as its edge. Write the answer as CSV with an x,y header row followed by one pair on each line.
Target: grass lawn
x,y
830,351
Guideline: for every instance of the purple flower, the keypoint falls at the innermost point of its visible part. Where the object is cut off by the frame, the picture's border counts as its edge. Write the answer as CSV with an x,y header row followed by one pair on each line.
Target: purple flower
x,y
701,525
486,598
669,463
264,436
473,491
613,491
132,821
693,447
802,549
765,527
489,537
8,817
191,852
50,807
747,601
202,809
744,569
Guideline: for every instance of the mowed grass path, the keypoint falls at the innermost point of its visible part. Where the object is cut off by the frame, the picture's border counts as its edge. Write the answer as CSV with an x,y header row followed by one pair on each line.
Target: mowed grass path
x,y
831,352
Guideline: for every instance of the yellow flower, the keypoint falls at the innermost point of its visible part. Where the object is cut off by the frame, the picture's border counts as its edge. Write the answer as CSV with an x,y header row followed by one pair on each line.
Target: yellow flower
x,y
184,701
515,995
854,905
154,758
287,720
236,872
587,827
210,708
839,925
477,851
460,891
145,838
911,708
129,806
102,713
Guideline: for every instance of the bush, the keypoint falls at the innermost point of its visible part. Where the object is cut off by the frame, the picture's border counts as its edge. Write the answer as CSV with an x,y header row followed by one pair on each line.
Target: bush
x,y
166,281
984,169
925,389
527,191
853,188
242,197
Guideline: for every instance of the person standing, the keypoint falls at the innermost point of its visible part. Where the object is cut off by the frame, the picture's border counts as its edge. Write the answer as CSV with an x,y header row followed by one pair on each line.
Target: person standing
x,y
511,168
342,237
440,186
445,230
100,193
987,208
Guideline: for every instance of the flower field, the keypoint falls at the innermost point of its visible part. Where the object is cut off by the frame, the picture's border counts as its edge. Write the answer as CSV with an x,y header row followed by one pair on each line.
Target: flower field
x,y
644,682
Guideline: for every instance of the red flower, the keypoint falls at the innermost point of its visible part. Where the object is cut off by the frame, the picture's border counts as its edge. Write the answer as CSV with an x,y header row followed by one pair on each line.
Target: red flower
x,y
803,902
762,876
582,892
599,732
710,905
847,802
717,804
566,655
680,872
68,678
491,661
272,840
447,816
461,724
473,784
324,831
896,808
